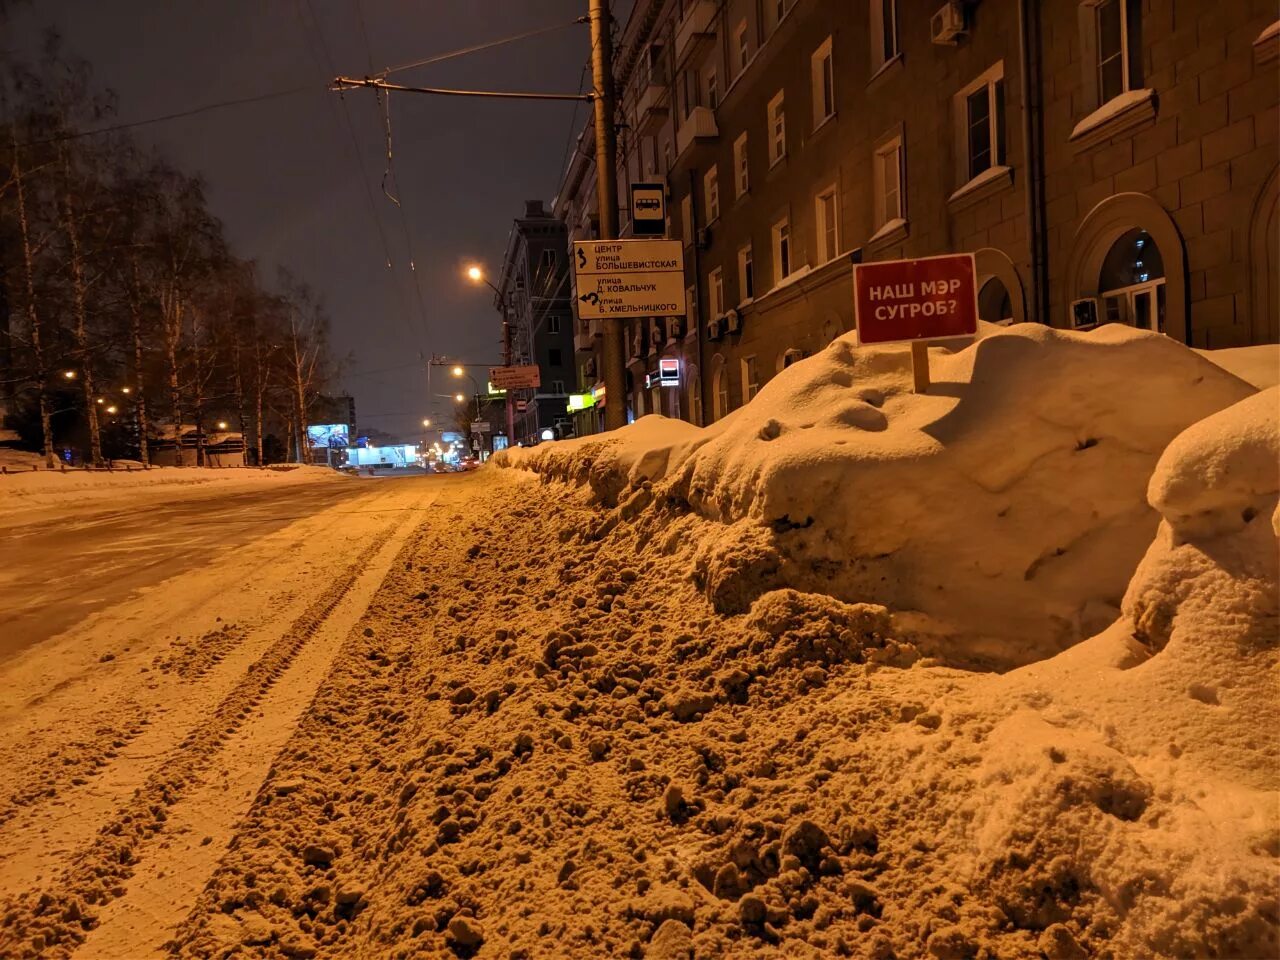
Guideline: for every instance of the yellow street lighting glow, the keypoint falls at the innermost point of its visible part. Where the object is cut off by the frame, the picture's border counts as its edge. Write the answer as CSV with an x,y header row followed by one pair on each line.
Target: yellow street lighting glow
x,y
426,423
111,409
459,397
69,374
126,389
222,424
475,274
100,400
458,371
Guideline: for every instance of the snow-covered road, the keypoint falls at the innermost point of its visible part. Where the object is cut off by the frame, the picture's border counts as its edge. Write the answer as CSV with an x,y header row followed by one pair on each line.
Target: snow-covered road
x,y
157,660
67,570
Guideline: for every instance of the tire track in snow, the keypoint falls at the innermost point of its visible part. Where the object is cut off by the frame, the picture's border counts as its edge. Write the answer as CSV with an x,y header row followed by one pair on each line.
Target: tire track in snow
x,y
52,922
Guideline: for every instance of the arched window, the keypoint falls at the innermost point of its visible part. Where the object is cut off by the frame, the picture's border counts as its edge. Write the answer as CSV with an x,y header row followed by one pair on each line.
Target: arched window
x,y
1131,282
788,357
994,303
695,397
719,388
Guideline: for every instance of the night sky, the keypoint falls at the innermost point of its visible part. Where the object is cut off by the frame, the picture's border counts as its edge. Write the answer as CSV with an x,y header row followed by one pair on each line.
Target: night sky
x,y
286,179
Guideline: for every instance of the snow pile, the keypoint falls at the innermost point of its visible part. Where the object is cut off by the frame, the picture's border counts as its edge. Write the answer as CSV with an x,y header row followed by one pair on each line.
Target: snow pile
x,y
1259,365
559,747
1001,514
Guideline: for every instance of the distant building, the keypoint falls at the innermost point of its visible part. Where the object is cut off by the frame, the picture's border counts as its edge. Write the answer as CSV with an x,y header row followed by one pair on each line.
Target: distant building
x,y
533,293
1105,161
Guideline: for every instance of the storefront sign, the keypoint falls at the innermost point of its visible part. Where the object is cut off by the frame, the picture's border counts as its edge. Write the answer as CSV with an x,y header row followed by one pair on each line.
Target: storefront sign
x,y
669,371
931,298
581,401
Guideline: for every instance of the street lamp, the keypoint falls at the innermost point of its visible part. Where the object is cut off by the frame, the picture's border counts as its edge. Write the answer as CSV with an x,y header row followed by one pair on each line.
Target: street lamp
x,y
69,374
474,273
111,409
426,422
222,424
459,397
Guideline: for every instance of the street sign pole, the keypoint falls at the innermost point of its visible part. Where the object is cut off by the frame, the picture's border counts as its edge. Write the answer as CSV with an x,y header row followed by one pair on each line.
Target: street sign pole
x,y
615,411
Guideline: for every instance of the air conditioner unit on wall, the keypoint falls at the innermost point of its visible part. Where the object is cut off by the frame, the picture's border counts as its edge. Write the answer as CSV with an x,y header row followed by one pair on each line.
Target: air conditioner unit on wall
x,y
947,26
733,321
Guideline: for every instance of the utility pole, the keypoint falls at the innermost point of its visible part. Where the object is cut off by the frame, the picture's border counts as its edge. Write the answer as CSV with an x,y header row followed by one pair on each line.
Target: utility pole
x,y
615,410
506,362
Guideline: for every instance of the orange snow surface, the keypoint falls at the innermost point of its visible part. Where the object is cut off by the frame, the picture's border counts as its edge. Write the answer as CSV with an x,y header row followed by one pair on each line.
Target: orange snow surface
x,y
586,710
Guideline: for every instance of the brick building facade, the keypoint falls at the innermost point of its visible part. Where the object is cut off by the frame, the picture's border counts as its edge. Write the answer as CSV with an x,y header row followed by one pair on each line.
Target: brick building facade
x,y
1105,161
532,292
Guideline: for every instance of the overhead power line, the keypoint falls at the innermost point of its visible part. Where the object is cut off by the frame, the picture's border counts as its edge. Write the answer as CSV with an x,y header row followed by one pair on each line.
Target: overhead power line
x,y
221,104
348,83
476,48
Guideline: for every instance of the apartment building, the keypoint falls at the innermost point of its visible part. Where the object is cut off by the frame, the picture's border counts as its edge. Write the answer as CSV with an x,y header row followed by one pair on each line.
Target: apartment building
x,y
532,293
1105,161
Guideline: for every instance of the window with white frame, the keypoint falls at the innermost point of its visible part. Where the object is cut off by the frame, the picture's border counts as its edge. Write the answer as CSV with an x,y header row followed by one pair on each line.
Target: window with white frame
x,y
884,32
750,379
741,166
827,221
1111,31
777,129
713,89
553,324
715,286
980,123
781,250
744,45
823,82
746,278
686,218
557,387
887,170
711,193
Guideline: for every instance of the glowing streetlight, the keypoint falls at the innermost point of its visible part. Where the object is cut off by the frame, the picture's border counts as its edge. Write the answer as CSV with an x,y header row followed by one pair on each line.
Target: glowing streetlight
x,y
69,374
111,409
222,424
126,389
458,371
459,397
426,423
100,400
474,273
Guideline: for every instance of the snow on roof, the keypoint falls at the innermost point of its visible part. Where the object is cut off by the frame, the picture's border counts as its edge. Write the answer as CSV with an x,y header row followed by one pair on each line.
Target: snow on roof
x,y
1004,510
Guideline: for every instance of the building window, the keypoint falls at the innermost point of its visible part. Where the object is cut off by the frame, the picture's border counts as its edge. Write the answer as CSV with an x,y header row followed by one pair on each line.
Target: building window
x,y
980,123
713,91
744,46
686,218
777,129
887,170
666,157
553,357
711,193
695,398
823,81
884,32
1132,283
750,379
548,265
827,219
781,250
691,309
746,278
741,167
689,93
715,284
720,389
1113,65
994,303
553,324
557,387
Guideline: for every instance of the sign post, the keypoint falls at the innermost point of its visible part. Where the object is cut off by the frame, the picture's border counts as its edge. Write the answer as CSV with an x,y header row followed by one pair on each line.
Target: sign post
x,y
649,209
516,378
915,301
617,279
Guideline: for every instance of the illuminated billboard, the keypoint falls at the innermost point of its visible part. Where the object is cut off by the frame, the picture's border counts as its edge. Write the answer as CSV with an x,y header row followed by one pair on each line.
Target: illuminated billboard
x,y
329,435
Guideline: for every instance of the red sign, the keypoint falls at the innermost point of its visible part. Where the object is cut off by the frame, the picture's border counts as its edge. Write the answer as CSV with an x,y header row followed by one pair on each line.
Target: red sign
x,y
932,298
